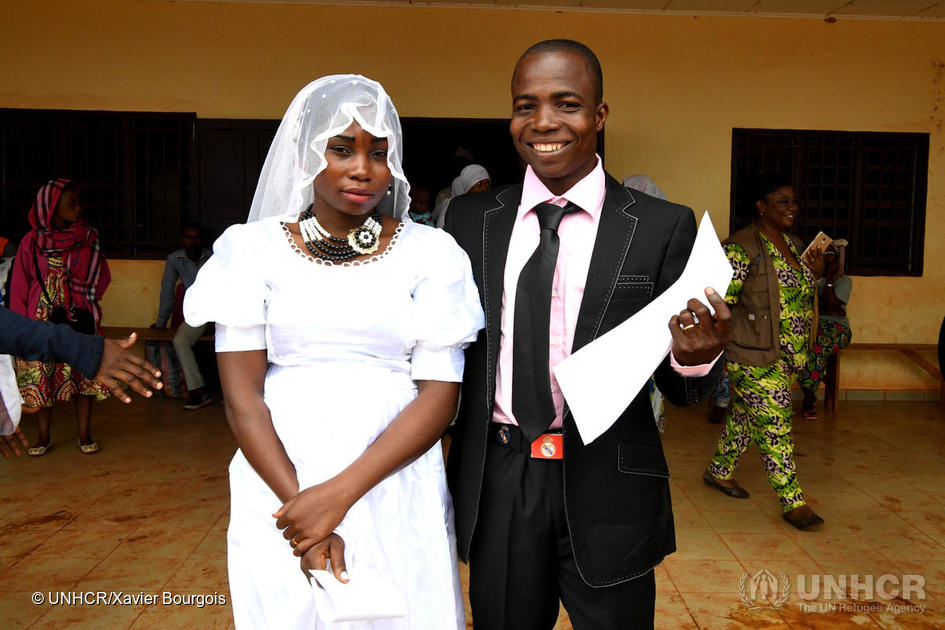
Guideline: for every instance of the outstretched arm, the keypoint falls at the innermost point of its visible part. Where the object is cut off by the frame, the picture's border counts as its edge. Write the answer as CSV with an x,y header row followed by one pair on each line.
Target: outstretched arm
x,y
243,375
30,339
118,364
108,359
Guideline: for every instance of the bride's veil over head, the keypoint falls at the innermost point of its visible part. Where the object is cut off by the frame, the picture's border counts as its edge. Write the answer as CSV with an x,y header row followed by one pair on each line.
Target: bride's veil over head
x,y
322,109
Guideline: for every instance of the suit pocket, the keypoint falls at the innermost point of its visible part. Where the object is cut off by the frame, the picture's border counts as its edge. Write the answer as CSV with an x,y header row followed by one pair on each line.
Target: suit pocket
x,y
642,459
633,286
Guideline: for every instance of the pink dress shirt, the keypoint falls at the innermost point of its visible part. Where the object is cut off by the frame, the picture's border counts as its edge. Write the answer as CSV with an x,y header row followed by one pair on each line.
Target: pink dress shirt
x,y
577,233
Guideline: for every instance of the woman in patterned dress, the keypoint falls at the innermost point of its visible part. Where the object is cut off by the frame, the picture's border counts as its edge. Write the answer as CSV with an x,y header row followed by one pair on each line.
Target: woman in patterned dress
x,y
833,325
59,263
772,296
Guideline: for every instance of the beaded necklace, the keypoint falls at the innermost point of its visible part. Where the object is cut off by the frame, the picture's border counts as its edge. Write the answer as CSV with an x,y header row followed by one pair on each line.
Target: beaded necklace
x,y
361,240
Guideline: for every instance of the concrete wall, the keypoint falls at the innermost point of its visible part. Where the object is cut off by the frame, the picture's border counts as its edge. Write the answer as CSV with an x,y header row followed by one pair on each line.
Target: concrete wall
x,y
676,86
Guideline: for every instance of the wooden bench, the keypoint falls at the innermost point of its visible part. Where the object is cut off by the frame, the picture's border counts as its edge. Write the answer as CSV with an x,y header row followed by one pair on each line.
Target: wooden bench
x,y
910,350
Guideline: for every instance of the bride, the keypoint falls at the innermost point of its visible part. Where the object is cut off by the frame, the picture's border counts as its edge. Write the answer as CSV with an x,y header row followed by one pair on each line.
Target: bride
x,y
340,348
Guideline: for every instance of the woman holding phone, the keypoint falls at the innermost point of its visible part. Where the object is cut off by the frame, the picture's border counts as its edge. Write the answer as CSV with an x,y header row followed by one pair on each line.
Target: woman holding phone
x,y
772,297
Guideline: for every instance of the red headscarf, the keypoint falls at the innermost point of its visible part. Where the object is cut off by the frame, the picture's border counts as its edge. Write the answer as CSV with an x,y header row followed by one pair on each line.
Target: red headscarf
x,y
78,244
51,241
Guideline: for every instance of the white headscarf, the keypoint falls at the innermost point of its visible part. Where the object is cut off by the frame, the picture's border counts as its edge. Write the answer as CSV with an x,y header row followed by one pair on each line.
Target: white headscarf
x,y
467,178
456,188
645,185
322,109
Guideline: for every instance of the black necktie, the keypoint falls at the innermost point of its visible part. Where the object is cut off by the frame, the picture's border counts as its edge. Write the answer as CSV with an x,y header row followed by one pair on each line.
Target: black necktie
x,y
532,404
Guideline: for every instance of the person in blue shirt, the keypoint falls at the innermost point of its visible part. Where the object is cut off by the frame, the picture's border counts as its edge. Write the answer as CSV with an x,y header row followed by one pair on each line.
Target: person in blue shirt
x,y
182,265
108,359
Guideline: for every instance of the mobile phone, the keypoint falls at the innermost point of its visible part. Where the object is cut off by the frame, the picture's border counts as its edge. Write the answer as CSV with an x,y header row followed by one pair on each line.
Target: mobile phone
x,y
821,242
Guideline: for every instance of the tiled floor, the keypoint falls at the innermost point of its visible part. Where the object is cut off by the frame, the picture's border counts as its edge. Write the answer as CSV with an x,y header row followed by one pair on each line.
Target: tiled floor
x,y
147,516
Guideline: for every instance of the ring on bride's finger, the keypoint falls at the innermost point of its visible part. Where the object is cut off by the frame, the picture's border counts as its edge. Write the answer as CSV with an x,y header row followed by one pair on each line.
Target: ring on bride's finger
x,y
294,542
688,326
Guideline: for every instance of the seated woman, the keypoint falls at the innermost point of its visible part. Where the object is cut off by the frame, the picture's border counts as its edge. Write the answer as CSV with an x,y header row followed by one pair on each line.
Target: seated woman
x,y
833,327
340,350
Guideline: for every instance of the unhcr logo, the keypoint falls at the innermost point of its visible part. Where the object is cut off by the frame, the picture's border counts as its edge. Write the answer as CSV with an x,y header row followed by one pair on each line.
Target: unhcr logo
x,y
764,590
828,593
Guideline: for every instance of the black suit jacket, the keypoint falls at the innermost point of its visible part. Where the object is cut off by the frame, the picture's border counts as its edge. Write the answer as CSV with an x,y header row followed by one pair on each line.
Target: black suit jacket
x,y
616,488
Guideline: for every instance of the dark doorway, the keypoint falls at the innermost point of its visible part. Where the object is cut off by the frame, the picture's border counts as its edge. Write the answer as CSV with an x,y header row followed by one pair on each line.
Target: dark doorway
x,y
230,156
437,149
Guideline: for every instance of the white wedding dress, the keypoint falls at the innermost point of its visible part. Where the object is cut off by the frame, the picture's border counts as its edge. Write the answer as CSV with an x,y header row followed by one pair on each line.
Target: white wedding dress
x,y
345,346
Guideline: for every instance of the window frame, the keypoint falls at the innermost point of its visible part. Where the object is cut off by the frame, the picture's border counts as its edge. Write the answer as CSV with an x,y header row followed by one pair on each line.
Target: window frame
x,y
860,206
109,155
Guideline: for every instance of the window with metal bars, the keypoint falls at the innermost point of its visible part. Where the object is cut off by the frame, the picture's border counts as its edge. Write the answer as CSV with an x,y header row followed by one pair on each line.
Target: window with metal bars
x,y
866,187
134,169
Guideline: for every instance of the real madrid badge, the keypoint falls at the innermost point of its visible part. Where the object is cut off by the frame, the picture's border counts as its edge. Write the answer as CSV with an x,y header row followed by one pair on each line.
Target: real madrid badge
x,y
548,446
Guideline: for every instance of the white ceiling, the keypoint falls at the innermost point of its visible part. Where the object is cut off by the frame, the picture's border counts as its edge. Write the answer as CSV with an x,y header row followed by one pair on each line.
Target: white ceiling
x,y
822,9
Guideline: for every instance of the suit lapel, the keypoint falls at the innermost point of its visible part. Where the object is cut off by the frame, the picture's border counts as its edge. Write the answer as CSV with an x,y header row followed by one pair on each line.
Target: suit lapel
x,y
496,233
614,233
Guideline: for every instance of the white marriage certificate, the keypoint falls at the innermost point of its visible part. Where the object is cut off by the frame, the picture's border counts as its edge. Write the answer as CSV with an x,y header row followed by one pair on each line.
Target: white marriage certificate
x,y
601,379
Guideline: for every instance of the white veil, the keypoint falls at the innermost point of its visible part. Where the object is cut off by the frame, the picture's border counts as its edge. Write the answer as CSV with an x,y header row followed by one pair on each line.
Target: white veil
x,y
323,109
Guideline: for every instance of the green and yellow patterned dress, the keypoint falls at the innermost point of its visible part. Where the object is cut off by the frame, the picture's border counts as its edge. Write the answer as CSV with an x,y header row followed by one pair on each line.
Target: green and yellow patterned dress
x,y
760,410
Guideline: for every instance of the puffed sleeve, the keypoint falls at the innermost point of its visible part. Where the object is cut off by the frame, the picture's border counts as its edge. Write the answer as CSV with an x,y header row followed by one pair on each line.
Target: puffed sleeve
x,y
231,290
447,314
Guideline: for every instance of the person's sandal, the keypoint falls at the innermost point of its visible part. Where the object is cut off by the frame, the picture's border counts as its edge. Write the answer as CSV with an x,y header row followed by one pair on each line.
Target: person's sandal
x,y
736,491
39,450
89,449
810,414
197,401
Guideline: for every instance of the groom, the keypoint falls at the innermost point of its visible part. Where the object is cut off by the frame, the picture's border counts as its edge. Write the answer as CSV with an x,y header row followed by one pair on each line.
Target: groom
x,y
560,259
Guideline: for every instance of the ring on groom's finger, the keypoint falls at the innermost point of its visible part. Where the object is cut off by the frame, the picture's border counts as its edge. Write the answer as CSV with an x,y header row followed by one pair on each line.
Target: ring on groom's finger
x,y
688,326
294,542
